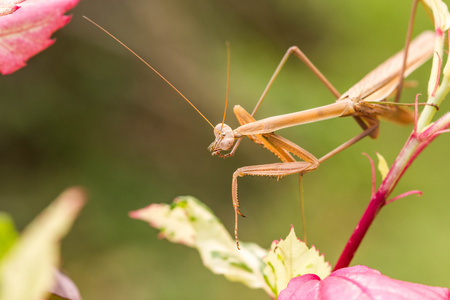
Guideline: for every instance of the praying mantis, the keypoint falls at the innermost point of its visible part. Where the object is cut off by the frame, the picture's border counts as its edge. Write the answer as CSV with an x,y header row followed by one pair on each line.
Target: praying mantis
x,y
365,101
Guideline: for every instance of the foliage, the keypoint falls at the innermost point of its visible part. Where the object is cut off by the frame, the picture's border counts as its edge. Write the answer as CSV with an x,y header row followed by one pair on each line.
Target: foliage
x,y
28,268
28,264
358,282
287,261
26,31
31,259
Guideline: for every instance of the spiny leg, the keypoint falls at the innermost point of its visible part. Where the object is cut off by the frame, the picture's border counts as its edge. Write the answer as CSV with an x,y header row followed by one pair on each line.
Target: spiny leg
x,y
281,147
274,170
293,148
310,163
290,166
244,117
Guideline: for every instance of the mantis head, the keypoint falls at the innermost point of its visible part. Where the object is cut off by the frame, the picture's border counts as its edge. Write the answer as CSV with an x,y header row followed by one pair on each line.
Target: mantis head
x,y
224,139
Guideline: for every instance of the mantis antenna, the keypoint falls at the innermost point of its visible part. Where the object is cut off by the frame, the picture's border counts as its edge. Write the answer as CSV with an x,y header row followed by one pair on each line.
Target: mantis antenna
x,y
228,85
153,69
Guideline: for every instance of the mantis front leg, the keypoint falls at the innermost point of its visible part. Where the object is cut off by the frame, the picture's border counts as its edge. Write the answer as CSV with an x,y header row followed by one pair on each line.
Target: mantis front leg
x,y
281,147
274,170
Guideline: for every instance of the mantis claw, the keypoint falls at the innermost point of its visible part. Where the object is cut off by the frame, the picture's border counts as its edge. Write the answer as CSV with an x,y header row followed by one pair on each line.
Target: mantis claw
x,y
222,155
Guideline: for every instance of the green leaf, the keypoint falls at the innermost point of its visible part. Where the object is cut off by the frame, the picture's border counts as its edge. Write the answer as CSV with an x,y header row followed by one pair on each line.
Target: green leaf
x,y
291,258
28,269
188,221
382,166
8,234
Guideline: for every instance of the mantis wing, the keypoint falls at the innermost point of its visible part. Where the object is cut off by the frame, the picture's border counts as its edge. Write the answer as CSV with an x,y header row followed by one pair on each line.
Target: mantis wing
x,y
382,81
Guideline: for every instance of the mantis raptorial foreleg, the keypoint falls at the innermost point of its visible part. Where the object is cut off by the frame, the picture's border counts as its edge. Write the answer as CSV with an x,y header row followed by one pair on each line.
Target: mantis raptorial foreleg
x,y
282,148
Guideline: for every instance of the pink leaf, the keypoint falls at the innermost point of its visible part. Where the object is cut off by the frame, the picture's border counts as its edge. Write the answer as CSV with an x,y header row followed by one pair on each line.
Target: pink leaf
x,y
358,282
64,287
27,31
9,6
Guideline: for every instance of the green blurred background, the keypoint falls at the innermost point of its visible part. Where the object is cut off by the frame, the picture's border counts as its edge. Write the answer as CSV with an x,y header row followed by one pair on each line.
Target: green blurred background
x,y
86,112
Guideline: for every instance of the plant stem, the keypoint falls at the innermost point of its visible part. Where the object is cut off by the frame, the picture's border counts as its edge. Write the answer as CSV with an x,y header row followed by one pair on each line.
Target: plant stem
x,y
421,136
429,111
413,146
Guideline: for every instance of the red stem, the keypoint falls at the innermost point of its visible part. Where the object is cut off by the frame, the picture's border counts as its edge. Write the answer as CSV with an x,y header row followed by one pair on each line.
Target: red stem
x,y
414,145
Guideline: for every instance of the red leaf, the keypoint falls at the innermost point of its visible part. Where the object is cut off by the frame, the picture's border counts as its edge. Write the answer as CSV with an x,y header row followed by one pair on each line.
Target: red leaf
x,y
9,6
358,282
27,31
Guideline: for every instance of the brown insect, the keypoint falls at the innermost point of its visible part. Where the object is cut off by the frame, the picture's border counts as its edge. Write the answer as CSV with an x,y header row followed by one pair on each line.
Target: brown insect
x,y
365,101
